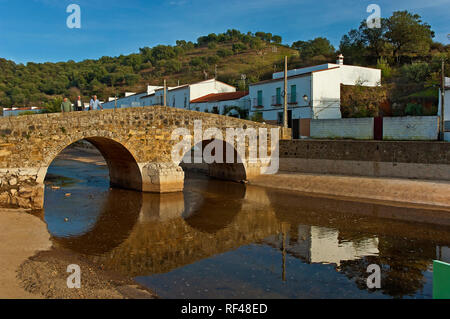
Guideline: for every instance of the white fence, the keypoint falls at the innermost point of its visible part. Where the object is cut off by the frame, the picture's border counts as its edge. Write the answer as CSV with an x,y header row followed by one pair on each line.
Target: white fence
x,y
414,128
354,128
417,128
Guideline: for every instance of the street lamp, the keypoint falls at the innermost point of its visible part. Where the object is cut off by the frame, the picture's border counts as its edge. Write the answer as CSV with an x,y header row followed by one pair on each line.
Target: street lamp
x,y
305,98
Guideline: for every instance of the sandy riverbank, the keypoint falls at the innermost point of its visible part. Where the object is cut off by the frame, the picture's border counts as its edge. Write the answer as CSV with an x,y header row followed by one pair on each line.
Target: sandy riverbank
x,y
32,268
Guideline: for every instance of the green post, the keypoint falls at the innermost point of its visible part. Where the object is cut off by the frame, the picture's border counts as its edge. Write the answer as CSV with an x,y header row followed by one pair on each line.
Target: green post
x,y
441,280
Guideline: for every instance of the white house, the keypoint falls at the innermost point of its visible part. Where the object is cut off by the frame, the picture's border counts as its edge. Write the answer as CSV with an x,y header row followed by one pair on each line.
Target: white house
x,y
130,100
446,109
220,102
313,93
181,96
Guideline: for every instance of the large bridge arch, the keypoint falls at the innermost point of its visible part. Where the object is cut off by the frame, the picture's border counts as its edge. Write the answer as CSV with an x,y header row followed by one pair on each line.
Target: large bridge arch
x,y
124,171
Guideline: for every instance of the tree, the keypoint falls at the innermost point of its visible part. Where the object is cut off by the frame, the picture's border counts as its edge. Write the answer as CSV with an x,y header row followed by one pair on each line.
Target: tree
x,y
408,35
312,48
276,39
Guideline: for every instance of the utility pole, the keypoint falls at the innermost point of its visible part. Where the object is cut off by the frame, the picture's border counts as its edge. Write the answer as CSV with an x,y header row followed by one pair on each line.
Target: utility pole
x,y
165,97
115,101
215,72
285,122
442,101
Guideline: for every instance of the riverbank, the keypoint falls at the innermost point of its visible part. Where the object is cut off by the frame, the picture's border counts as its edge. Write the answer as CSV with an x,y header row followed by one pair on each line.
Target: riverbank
x,y
32,268
21,236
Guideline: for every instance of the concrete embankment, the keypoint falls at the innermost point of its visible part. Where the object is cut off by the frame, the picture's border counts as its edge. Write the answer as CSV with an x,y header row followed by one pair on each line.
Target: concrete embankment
x,y
420,192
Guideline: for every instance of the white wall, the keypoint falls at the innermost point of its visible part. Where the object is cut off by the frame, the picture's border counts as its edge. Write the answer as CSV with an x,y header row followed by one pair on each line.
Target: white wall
x,y
326,94
207,87
446,106
352,75
411,128
354,128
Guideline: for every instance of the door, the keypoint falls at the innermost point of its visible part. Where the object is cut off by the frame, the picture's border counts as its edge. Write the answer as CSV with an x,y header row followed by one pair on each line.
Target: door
x,y
289,118
378,128
260,98
296,129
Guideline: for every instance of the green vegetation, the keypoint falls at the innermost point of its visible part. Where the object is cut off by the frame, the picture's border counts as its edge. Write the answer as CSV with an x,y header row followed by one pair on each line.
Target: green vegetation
x,y
403,48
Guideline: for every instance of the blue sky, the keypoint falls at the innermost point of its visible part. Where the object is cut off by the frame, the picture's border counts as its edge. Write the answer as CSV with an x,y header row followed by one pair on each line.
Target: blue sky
x,y
35,30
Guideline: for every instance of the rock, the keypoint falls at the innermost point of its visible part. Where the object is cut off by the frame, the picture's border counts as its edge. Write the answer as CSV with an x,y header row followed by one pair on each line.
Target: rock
x,y
23,202
4,197
13,181
25,190
13,192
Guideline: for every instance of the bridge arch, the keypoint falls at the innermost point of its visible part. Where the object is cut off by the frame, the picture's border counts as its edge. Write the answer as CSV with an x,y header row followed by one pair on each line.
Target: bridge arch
x,y
124,171
236,171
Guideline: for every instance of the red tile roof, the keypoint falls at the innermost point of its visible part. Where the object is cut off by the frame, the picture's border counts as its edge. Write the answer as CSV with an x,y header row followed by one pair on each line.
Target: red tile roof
x,y
217,97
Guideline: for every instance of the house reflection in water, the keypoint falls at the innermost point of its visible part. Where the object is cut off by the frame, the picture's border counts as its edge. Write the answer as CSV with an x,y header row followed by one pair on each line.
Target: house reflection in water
x,y
315,244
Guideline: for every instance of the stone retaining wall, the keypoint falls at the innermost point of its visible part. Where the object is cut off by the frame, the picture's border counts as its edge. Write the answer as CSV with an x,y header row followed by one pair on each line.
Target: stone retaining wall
x,y
414,159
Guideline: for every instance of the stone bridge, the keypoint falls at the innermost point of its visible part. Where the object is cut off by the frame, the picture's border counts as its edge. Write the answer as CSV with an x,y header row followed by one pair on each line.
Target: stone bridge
x,y
135,142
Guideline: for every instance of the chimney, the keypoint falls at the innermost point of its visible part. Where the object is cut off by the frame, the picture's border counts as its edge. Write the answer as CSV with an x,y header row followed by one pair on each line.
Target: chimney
x,y
340,60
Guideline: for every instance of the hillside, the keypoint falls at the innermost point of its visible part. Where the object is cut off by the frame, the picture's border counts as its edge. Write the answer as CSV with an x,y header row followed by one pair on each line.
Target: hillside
x,y
234,54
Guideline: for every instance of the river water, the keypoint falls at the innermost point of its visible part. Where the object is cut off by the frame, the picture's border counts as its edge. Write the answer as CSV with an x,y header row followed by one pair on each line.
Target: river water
x,y
221,239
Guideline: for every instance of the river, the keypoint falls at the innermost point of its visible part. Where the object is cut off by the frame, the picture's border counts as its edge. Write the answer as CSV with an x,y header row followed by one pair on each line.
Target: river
x,y
220,239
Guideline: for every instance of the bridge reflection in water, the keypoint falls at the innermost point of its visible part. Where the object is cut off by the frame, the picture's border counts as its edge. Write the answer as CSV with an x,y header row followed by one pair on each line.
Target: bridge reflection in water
x,y
222,236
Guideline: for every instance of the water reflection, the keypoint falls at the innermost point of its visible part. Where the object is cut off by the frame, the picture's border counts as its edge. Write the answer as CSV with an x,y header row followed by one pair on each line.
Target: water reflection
x,y
225,240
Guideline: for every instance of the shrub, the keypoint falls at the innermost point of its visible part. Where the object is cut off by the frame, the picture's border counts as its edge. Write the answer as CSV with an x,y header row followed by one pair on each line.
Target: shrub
x,y
239,47
416,72
414,109
386,70
224,53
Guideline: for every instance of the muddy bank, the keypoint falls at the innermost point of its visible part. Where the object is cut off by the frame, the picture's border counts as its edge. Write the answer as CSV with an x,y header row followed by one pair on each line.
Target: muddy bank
x,y
46,274
33,268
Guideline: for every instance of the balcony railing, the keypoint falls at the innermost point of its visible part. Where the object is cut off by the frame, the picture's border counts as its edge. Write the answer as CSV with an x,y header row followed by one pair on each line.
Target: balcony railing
x,y
292,99
257,105
277,100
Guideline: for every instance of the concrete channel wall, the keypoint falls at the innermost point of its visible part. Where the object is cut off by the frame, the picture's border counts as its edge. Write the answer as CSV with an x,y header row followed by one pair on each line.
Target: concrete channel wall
x,y
355,128
397,159
411,128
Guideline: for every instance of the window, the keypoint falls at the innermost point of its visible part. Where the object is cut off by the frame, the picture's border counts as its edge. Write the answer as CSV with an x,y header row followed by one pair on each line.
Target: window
x,y
260,98
185,101
173,101
278,97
